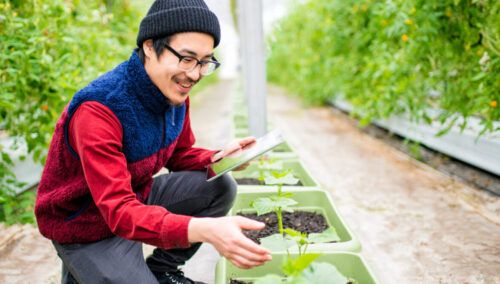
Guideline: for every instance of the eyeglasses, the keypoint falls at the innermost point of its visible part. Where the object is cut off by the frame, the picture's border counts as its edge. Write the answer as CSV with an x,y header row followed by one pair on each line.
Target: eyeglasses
x,y
189,63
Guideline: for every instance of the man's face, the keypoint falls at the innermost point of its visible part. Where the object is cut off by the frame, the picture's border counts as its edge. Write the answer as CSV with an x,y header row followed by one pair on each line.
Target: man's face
x,y
174,83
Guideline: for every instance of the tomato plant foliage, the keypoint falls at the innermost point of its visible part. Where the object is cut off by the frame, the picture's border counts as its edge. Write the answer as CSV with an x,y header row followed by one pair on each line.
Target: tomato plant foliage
x,y
391,57
48,50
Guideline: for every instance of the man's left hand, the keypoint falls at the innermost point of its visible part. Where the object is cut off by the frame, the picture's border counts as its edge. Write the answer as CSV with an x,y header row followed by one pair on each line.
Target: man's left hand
x,y
234,148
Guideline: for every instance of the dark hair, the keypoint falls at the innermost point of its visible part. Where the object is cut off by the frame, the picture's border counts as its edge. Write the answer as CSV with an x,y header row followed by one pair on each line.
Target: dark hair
x,y
158,45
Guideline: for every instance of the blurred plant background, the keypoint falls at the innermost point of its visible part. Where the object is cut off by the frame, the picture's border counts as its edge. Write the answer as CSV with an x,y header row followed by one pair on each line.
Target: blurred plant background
x,y
393,57
48,50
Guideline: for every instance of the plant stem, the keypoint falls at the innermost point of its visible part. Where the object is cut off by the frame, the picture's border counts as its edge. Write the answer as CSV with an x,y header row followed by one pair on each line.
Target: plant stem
x,y
279,190
280,220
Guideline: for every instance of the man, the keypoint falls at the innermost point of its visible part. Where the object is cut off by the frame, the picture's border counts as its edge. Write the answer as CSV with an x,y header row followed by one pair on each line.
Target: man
x,y
97,200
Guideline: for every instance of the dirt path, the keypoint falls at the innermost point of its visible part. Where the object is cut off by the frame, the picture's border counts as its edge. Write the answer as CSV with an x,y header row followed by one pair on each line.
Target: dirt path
x,y
415,224
26,256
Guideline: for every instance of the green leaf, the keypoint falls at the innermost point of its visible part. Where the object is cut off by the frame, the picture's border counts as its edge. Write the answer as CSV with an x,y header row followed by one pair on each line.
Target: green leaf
x,y
277,242
270,165
278,179
7,158
269,279
299,237
296,265
265,205
322,272
328,235
294,233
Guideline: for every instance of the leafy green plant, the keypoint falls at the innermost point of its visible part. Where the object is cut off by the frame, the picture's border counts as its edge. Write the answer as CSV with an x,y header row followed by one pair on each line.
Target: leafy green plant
x,y
303,269
48,50
266,165
17,208
279,202
281,242
394,57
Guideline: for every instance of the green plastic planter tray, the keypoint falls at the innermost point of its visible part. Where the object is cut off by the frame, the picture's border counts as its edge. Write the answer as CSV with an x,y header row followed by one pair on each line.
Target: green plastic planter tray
x,y
349,264
293,163
312,200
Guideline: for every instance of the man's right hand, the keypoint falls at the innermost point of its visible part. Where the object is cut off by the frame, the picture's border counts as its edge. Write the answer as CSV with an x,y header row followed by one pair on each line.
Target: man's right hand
x,y
224,233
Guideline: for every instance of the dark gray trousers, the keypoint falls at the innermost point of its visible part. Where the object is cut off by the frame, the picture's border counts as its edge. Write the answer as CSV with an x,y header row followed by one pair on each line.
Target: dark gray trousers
x,y
117,260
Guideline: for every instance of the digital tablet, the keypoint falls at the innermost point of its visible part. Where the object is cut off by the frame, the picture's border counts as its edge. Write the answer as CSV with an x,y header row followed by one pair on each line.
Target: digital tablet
x,y
233,161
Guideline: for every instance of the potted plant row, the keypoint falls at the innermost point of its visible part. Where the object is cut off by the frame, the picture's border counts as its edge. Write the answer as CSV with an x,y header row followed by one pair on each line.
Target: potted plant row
x,y
309,241
254,175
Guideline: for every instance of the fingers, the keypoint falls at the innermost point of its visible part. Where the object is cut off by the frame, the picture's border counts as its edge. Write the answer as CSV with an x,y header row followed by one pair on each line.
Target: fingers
x,y
237,145
252,256
247,254
249,224
244,263
232,148
247,141
252,247
242,167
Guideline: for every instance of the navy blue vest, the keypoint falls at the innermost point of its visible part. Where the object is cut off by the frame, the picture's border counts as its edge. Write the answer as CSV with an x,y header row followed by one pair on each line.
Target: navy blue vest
x,y
149,121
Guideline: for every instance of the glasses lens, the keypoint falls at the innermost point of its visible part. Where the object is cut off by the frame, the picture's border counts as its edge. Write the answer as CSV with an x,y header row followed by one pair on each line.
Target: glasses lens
x,y
187,63
208,68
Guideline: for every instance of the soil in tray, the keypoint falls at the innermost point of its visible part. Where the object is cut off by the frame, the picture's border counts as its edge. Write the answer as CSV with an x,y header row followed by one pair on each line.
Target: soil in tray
x,y
254,181
305,222
233,281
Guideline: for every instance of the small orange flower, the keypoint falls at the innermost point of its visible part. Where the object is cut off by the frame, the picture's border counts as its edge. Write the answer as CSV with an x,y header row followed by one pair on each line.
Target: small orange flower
x,y
404,38
44,107
448,13
493,104
408,22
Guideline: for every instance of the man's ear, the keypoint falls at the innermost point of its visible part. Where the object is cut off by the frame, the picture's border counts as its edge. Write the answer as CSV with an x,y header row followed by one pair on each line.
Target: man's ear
x,y
148,48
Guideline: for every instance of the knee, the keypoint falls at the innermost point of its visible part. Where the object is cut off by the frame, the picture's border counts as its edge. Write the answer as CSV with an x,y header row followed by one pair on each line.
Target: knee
x,y
227,186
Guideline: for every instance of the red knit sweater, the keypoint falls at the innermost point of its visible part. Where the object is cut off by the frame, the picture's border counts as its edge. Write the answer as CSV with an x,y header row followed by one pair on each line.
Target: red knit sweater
x,y
101,194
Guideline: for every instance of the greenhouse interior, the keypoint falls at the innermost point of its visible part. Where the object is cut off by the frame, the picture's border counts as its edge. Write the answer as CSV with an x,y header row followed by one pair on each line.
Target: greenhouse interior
x,y
250,141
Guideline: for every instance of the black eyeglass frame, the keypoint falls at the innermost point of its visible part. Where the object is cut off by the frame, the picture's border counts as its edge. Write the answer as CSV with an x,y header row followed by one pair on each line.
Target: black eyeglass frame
x,y
198,62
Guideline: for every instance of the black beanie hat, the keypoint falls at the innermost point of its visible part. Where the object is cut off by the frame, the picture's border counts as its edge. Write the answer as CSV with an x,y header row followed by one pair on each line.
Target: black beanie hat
x,y
167,17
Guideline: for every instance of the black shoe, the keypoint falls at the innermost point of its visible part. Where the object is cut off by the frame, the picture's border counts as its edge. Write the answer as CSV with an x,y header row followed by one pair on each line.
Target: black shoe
x,y
174,277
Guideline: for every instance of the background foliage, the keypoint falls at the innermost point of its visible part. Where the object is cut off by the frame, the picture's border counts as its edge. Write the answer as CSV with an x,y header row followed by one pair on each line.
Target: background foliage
x,y
48,50
397,56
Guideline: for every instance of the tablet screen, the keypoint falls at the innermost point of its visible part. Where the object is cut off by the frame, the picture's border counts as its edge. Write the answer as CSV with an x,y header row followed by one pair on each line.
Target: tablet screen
x,y
261,146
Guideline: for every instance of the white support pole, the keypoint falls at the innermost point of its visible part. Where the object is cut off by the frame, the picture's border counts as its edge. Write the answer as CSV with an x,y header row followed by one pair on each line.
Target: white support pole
x,y
253,64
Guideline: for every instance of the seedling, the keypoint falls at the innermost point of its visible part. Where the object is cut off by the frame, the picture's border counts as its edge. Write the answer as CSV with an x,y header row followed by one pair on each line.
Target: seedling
x,y
303,269
279,242
266,165
279,202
